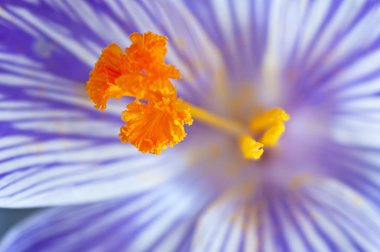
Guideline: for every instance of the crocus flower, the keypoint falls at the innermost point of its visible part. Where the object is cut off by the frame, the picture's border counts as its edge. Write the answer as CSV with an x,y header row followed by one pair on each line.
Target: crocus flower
x,y
316,190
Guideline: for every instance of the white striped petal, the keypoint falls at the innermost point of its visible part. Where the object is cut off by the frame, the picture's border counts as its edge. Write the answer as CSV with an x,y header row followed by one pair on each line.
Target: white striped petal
x,y
158,220
55,148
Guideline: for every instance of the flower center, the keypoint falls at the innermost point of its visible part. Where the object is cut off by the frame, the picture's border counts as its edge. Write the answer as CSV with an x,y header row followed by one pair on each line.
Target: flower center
x,y
156,118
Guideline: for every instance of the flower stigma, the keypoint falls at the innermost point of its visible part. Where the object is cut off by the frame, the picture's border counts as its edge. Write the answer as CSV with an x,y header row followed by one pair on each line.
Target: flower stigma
x,y
157,117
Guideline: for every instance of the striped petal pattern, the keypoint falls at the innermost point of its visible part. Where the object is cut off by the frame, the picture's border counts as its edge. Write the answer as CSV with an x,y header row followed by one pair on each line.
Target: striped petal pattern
x,y
318,193
322,215
159,220
55,148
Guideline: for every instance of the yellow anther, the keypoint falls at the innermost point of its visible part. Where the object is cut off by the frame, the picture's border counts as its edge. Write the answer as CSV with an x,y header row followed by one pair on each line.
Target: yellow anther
x,y
268,118
271,135
270,125
250,148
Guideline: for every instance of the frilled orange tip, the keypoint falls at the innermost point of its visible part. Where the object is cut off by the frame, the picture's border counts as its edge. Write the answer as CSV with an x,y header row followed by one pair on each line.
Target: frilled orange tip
x,y
147,49
146,56
151,127
101,84
155,119
143,87
140,72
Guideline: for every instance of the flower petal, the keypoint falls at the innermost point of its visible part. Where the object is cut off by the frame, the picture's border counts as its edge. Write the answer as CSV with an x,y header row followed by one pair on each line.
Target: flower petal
x,y
320,215
316,215
349,220
68,37
297,53
321,55
159,220
239,28
55,148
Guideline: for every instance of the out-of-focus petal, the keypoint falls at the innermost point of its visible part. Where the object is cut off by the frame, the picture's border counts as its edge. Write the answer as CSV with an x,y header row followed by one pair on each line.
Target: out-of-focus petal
x,y
67,38
321,57
347,219
159,220
324,64
357,167
319,215
239,28
297,53
55,148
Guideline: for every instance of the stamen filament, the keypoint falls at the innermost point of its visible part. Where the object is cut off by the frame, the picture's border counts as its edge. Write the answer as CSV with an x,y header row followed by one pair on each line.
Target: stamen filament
x,y
211,119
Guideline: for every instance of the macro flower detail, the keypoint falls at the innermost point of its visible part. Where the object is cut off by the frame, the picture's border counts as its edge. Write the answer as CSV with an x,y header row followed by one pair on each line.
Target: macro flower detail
x,y
154,126
141,73
250,148
282,154
158,123
102,84
271,125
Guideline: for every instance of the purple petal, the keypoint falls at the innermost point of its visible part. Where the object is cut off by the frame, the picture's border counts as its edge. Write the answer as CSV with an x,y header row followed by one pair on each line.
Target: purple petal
x,y
55,148
161,219
239,28
320,215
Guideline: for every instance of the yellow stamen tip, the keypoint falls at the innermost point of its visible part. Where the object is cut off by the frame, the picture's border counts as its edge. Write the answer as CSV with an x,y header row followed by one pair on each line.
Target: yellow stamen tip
x,y
250,148
268,118
271,126
272,135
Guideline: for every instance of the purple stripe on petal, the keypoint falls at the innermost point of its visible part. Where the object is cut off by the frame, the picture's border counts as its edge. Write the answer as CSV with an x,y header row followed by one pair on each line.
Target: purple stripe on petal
x,y
159,219
69,150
